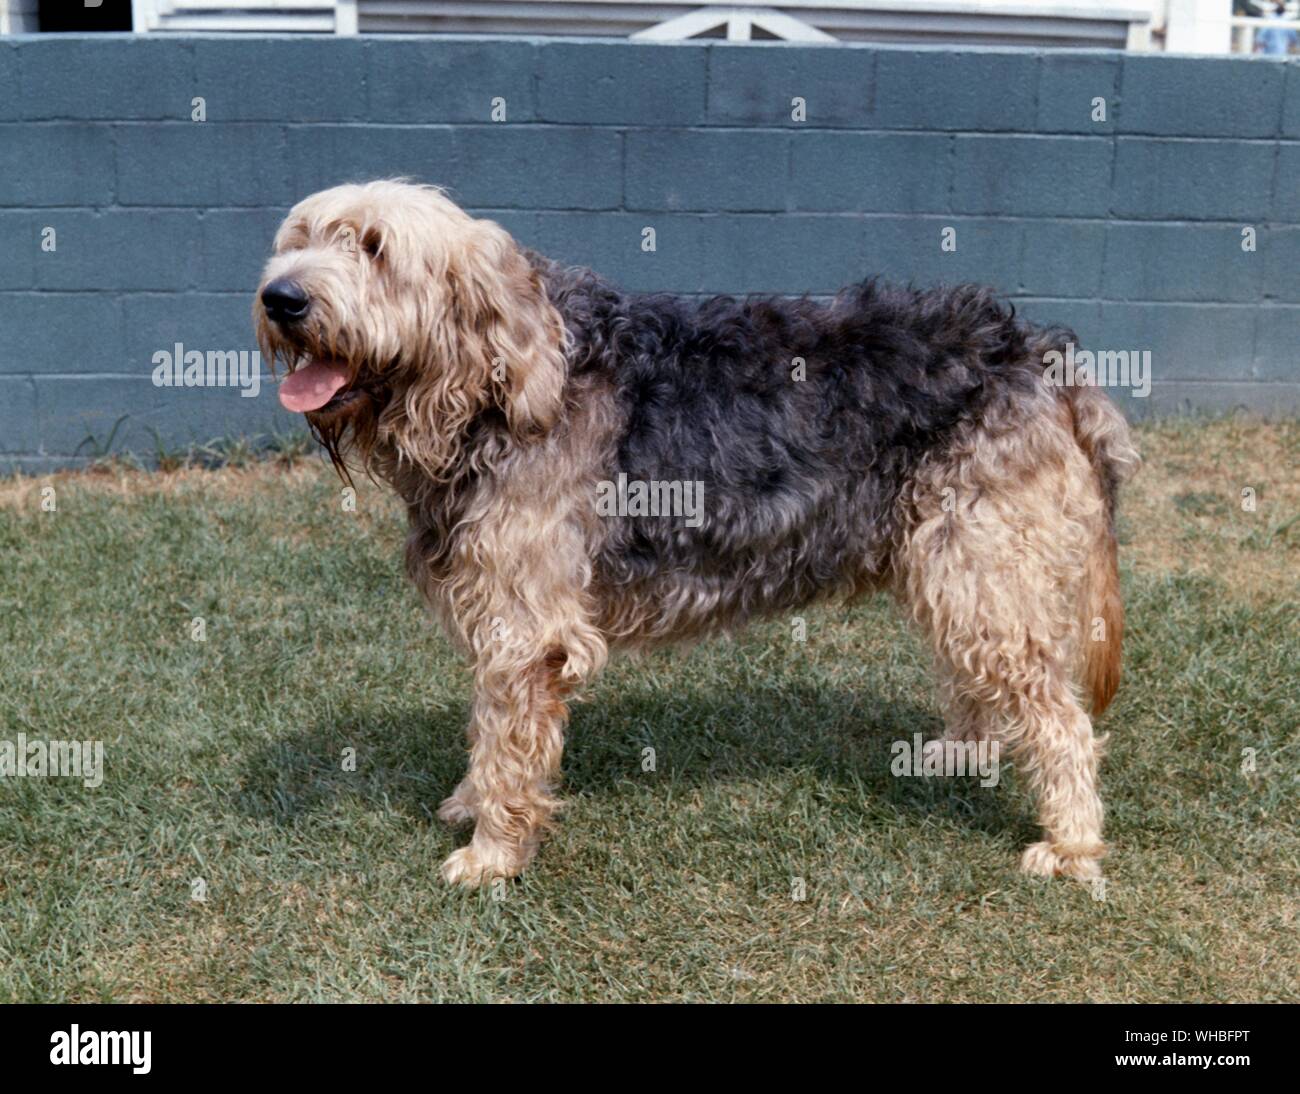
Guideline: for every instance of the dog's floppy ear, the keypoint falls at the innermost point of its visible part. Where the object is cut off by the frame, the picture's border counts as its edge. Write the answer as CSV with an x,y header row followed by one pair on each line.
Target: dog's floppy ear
x,y
504,319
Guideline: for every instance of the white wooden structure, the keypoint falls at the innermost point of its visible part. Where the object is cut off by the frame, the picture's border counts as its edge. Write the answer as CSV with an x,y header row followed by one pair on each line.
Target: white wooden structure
x,y
251,16
739,24
1117,24
19,17
1098,23
1182,26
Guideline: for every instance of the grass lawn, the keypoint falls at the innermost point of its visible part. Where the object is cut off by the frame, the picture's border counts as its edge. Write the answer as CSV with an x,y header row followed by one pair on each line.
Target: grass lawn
x,y
224,765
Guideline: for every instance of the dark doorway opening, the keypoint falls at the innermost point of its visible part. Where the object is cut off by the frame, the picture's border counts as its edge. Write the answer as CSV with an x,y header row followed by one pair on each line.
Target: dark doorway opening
x,y
63,16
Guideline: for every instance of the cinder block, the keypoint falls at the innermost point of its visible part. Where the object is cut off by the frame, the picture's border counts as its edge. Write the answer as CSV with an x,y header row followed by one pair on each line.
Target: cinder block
x,y
95,77
121,251
198,321
766,253
1286,184
551,167
759,84
1181,397
612,245
1081,317
632,83
236,246
870,172
60,332
1277,343
56,164
281,79
947,90
1280,250
790,253
1032,176
327,155
987,252
201,163
449,80
9,94
1192,179
77,416
1062,257
1291,103
1200,96
909,249
899,250
18,432
708,170
1069,85
1157,262
1186,341
19,245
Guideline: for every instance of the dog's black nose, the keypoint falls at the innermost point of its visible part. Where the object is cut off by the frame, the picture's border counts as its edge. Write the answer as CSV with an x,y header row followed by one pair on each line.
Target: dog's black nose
x,y
285,300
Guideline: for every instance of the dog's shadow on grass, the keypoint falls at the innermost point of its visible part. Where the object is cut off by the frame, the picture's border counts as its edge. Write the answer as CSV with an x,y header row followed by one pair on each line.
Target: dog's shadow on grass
x,y
407,760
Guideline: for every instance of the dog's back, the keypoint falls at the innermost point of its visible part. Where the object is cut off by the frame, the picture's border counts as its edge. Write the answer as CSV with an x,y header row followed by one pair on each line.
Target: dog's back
x,y
793,425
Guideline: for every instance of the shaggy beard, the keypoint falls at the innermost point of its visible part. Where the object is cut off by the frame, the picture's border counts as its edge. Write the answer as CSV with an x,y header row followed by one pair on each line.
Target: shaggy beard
x,y
351,430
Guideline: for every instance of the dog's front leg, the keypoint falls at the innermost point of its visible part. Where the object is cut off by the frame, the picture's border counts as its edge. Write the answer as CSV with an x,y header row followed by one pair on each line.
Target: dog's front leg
x,y
517,736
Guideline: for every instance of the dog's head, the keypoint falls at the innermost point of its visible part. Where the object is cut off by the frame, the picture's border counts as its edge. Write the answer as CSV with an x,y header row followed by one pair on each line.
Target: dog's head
x,y
402,319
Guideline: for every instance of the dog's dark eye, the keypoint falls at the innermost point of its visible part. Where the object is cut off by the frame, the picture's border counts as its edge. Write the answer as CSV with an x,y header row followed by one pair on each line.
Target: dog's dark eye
x,y
371,246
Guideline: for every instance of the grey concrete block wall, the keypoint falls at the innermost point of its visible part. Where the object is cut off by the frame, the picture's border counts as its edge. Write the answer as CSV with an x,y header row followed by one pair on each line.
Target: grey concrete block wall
x,y
1128,228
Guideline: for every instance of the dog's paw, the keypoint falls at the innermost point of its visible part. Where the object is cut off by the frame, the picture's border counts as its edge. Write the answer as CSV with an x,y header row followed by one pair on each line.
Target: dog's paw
x,y
1045,860
455,811
479,863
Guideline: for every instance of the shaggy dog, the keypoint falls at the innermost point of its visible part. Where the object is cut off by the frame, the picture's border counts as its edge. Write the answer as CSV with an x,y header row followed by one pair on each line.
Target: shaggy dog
x,y
891,439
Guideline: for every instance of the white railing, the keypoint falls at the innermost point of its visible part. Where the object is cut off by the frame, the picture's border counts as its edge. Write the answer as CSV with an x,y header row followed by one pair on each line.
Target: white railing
x,y
1116,24
1246,27
251,16
737,24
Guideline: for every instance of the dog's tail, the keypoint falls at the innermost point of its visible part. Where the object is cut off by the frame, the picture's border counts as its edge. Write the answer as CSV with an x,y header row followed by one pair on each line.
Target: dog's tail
x,y
1102,433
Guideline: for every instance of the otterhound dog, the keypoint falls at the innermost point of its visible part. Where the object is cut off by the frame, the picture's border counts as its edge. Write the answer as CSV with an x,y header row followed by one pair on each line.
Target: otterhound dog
x,y
890,439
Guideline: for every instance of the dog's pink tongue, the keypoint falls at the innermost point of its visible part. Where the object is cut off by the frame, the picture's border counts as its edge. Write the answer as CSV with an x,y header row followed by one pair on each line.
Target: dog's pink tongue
x,y
311,386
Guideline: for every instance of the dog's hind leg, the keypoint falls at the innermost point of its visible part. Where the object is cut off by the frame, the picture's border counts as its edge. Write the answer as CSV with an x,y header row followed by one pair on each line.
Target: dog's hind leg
x,y
964,718
994,570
